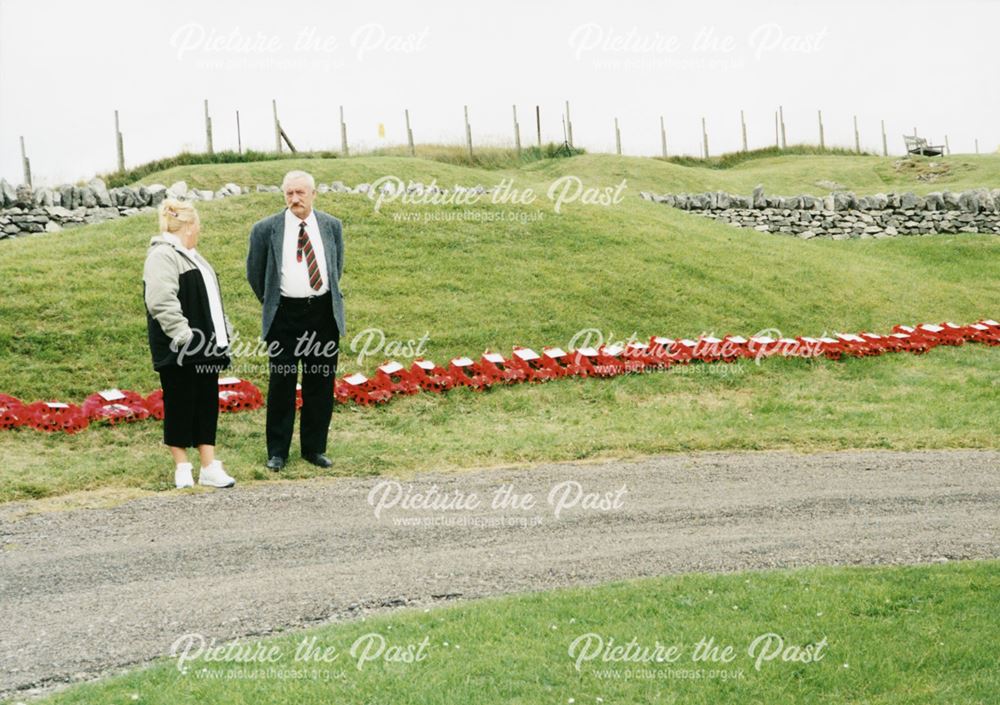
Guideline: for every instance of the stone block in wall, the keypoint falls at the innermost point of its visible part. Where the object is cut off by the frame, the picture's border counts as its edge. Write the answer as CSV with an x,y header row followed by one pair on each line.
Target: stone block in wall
x,y
8,194
100,191
99,215
24,197
118,196
58,212
43,197
157,192
968,201
87,197
843,200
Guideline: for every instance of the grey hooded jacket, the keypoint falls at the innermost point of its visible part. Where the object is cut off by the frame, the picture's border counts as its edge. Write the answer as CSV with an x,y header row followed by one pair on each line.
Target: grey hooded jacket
x,y
178,308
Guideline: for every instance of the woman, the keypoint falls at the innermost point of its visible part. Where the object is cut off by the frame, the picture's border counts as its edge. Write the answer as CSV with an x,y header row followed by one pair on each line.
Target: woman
x,y
189,338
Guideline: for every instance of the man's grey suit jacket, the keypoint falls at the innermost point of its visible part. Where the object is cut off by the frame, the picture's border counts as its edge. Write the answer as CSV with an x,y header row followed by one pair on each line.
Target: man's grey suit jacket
x,y
264,264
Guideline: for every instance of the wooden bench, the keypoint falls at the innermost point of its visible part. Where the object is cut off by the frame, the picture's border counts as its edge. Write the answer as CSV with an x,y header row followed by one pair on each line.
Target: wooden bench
x,y
918,145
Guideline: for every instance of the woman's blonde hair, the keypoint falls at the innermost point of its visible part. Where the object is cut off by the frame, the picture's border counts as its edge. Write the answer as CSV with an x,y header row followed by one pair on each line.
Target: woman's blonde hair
x,y
176,214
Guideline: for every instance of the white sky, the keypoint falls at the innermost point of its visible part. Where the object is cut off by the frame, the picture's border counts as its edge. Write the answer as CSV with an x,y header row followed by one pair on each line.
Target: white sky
x,y
66,66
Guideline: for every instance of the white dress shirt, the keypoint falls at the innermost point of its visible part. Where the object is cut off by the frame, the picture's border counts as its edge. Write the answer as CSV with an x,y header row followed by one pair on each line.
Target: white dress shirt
x,y
295,275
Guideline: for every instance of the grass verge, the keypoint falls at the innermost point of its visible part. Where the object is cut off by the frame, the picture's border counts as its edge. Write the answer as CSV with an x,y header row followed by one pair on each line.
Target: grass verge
x,y
882,636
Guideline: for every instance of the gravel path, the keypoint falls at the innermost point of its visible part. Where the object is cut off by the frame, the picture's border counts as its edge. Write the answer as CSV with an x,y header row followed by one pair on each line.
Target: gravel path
x,y
88,592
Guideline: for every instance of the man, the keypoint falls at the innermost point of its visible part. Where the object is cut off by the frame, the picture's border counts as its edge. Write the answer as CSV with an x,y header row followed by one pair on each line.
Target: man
x,y
294,266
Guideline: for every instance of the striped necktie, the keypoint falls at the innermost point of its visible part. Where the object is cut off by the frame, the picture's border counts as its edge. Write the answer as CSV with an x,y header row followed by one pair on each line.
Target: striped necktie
x,y
306,248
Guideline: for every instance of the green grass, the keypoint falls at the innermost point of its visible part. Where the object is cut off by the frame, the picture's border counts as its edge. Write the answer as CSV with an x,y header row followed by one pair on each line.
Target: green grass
x,y
788,174
123,178
882,636
946,399
731,159
484,157
74,323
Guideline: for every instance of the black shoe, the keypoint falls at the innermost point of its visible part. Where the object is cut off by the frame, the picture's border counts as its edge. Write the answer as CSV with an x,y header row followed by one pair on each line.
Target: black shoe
x,y
275,462
318,459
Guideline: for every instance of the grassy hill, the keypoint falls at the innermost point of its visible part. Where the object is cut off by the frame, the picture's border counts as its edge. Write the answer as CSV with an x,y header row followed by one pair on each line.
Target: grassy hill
x,y
784,175
74,321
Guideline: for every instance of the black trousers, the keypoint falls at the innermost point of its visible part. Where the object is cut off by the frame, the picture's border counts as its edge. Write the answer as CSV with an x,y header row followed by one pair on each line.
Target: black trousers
x,y
306,334
190,406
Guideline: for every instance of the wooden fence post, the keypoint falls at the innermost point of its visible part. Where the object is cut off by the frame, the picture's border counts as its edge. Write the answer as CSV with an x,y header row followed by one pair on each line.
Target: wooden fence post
x,y
569,127
119,143
208,130
344,150
517,133
409,134
468,131
277,126
26,163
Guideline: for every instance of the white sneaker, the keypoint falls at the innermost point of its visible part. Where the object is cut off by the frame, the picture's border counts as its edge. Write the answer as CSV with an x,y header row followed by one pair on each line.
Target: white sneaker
x,y
215,476
182,475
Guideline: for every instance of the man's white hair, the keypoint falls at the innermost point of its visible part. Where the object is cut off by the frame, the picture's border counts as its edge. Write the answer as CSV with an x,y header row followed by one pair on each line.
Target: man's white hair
x,y
295,176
